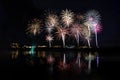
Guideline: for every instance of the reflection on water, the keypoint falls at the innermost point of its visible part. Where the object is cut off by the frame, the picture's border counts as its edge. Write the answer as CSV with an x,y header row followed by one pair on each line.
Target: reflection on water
x,y
14,54
65,65
64,61
72,65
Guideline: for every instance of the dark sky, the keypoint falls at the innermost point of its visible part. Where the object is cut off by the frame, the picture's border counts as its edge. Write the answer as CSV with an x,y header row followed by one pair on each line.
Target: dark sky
x,y
14,15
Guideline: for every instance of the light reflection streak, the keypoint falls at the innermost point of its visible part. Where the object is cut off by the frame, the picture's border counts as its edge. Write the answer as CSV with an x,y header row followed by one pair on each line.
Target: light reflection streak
x,y
14,54
65,61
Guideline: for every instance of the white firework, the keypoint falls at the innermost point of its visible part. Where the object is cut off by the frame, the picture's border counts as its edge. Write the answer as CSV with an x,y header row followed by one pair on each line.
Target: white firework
x,y
86,35
67,17
51,22
34,27
49,38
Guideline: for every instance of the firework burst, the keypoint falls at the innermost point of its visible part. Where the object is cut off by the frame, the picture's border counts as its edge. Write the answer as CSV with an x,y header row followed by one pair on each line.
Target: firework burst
x,y
62,33
51,22
67,17
76,25
96,28
49,38
76,31
92,18
34,27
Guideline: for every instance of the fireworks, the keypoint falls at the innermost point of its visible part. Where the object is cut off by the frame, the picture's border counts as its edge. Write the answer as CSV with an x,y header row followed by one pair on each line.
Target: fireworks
x,y
97,28
76,25
76,31
49,38
92,16
86,35
92,19
62,33
51,22
67,17
34,27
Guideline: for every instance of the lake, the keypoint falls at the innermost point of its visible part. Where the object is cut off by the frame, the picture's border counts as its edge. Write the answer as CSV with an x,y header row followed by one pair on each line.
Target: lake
x,y
61,64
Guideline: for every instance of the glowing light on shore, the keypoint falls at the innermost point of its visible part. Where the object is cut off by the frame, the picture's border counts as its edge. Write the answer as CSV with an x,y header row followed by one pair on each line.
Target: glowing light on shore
x,y
32,51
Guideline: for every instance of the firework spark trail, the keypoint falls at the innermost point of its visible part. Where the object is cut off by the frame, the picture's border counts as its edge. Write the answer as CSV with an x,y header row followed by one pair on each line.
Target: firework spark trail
x,y
97,29
86,34
92,17
34,27
49,38
94,29
61,34
67,17
88,40
49,29
88,24
76,31
96,39
63,38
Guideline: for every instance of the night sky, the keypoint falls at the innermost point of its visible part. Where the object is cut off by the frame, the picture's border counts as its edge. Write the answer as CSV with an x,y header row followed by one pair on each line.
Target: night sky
x,y
15,14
